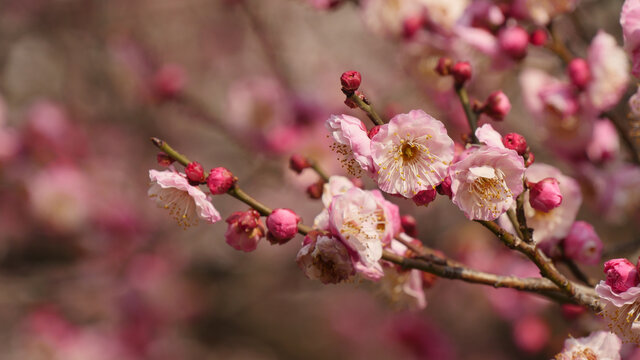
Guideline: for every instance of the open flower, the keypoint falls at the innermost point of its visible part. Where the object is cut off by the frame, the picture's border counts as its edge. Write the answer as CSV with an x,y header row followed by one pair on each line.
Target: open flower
x,y
352,142
412,153
402,287
621,311
609,69
363,222
598,345
485,183
186,203
324,257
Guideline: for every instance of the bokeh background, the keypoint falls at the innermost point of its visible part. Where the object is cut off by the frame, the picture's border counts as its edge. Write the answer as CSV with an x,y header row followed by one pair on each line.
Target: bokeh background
x,y
90,268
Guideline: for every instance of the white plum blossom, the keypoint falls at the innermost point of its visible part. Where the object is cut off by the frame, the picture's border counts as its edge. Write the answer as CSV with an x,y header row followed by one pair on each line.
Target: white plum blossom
x,y
598,345
185,202
621,311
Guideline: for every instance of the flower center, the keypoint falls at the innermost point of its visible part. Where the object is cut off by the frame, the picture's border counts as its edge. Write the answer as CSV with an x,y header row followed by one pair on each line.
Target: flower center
x,y
409,151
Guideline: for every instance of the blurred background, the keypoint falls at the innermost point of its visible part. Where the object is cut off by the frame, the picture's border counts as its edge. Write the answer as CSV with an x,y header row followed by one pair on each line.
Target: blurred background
x,y
90,268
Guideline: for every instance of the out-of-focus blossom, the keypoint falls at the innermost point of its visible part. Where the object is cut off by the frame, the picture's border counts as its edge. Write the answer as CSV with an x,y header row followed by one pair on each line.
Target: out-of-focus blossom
x,y
538,37
634,103
514,40
461,72
352,142
616,190
363,222
168,81
605,142
487,135
424,197
324,257
579,73
556,223
282,225
541,12
545,195
609,70
621,301
186,203
324,4
412,153
402,287
583,244
337,185
630,21
497,106
531,333
485,183
9,138
598,345
421,339
408,224
59,195
298,163
245,230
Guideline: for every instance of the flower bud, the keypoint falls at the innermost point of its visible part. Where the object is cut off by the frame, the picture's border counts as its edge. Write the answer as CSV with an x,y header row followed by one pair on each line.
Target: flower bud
x,y
424,197
538,37
164,159
411,25
461,72
374,130
245,230
445,187
545,195
582,244
195,172
220,180
529,159
515,141
168,82
572,311
444,66
514,41
408,223
282,225
298,163
579,73
621,275
350,81
315,190
497,106
324,257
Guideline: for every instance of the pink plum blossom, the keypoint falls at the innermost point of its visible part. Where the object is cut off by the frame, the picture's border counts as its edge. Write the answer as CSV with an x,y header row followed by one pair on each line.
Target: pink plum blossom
x,y
542,12
403,288
485,183
616,189
630,21
324,257
605,142
351,141
545,195
337,185
598,345
186,203
412,153
583,244
363,222
609,70
621,296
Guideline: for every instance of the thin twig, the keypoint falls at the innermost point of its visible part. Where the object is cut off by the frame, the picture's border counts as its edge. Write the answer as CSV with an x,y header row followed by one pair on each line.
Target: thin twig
x,y
366,107
472,118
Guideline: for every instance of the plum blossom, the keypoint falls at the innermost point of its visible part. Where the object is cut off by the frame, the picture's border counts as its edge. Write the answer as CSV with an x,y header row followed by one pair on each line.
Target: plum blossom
x,y
609,70
245,230
364,221
583,244
630,22
324,257
605,142
598,345
186,203
622,303
351,141
412,153
541,12
556,223
485,183
402,287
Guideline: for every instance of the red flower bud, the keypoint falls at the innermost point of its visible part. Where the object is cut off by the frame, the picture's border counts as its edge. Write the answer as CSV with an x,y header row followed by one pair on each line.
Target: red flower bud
x,y
497,106
315,190
545,195
298,163
515,141
424,197
220,180
621,275
408,223
195,172
374,130
579,73
538,37
350,80
164,159
444,66
282,225
514,41
461,72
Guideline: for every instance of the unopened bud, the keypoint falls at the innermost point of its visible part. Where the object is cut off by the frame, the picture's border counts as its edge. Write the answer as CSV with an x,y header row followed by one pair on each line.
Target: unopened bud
x,y
220,180
350,80
514,41
411,25
195,172
497,106
444,188
298,163
515,141
245,230
408,223
168,82
282,225
621,275
579,73
582,244
374,130
315,190
530,159
545,195
461,72
538,37
424,197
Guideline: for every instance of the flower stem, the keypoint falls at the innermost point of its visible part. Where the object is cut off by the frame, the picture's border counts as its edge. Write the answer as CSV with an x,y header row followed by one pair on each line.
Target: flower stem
x,y
471,116
162,145
319,170
366,107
